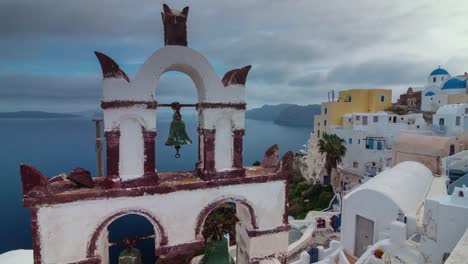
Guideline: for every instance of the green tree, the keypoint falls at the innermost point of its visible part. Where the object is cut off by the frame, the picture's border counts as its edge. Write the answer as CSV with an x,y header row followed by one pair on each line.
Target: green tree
x,y
334,149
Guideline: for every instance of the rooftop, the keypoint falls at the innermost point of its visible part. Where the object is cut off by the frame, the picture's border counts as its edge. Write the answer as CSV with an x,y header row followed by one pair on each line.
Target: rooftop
x,y
454,83
439,71
409,196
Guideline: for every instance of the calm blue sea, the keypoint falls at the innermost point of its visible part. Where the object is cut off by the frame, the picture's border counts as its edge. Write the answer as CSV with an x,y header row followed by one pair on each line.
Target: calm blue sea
x,y
59,145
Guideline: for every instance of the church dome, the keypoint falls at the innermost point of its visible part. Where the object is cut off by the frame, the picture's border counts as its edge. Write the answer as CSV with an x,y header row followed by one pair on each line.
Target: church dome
x,y
439,71
454,83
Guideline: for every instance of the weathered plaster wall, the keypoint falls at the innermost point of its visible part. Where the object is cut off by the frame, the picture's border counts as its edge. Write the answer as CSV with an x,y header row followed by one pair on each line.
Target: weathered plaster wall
x,y
443,225
66,229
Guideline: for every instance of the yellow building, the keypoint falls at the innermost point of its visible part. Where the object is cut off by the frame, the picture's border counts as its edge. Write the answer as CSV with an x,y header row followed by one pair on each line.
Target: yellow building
x,y
349,101
356,101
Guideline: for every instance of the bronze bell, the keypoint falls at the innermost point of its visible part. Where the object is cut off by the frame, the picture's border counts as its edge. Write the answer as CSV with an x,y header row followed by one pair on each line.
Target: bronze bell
x,y
177,134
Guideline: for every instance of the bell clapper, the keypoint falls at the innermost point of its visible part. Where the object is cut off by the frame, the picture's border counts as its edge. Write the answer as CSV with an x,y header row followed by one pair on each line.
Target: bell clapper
x,y
177,155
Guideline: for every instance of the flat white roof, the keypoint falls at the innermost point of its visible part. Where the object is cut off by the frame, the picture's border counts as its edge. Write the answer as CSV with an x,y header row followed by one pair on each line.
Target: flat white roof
x,y
451,109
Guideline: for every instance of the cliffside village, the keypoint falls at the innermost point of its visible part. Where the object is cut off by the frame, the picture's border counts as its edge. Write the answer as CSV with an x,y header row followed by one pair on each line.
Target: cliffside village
x,y
401,187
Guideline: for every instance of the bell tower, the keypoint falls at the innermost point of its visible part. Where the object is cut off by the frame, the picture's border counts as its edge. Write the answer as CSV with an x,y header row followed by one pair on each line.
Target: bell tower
x,y
133,185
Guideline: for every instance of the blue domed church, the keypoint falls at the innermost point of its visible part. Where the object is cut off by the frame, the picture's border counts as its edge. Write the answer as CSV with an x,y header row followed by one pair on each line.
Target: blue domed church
x,y
441,88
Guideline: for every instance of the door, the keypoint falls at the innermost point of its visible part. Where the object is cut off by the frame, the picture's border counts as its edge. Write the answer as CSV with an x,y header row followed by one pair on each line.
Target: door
x,y
364,235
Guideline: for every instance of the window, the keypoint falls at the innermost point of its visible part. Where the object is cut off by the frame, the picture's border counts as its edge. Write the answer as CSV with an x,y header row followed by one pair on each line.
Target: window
x,y
452,150
382,98
442,78
434,79
359,141
326,110
466,110
350,141
324,122
318,124
376,119
441,122
318,133
350,98
358,118
355,165
457,121
389,118
461,194
364,120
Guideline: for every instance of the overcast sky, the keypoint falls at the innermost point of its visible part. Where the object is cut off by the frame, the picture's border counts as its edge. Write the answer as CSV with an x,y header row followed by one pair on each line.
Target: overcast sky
x,y
299,49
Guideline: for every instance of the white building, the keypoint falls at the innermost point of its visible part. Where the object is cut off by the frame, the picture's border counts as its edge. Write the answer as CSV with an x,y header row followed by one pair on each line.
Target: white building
x,y
445,219
439,88
395,194
451,119
369,138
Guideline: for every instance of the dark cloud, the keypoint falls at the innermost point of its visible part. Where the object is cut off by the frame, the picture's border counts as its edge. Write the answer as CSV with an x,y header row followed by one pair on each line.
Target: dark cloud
x,y
309,80
381,72
299,50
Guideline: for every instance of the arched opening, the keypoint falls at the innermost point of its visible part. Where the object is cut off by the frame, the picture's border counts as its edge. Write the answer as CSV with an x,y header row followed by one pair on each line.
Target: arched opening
x,y
223,225
107,240
176,87
134,230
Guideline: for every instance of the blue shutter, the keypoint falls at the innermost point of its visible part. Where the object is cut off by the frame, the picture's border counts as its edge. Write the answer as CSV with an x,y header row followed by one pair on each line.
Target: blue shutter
x,y
379,145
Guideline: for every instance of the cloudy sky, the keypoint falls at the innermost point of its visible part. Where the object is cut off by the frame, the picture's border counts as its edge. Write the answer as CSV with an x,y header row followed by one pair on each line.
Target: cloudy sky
x,y
299,49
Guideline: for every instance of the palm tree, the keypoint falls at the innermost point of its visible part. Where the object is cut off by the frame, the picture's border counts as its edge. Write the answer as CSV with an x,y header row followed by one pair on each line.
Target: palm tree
x,y
334,149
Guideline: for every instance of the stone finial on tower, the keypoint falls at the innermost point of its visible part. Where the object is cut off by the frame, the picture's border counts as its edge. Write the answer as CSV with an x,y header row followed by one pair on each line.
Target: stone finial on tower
x,y
236,76
175,26
35,184
110,69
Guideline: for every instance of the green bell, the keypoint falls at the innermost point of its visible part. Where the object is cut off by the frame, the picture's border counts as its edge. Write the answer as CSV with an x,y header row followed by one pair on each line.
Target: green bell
x,y
177,135
130,255
217,252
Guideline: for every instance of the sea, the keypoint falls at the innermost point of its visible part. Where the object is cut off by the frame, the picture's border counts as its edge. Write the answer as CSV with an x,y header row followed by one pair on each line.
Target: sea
x,y
59,145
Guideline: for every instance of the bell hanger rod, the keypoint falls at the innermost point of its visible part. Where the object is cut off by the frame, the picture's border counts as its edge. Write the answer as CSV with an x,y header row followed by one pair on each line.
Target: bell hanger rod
x,y
177,105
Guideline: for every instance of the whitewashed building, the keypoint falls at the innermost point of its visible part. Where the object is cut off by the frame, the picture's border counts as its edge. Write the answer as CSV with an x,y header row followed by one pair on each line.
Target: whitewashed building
x,y
369,138
445,219
451,120
395,194
441,89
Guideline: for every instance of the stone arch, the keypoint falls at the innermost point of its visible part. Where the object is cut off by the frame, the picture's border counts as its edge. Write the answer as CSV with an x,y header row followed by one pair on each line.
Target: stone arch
x,y
160,234
216,203
181,59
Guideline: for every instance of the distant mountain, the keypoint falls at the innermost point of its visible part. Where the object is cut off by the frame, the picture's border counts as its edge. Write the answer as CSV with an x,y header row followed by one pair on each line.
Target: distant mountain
x,y
34,114
266,112
286,114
